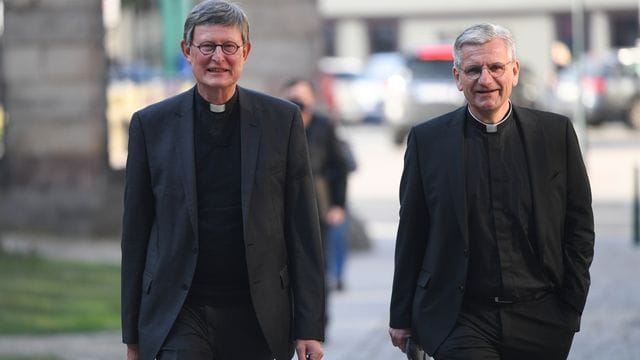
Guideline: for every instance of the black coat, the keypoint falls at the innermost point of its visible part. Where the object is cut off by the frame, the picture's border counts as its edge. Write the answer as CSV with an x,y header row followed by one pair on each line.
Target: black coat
x,y
328,162
280,222
431,257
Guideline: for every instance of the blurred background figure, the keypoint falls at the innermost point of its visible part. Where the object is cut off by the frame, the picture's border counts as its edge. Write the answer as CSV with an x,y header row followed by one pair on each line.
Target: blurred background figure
x,y
331,161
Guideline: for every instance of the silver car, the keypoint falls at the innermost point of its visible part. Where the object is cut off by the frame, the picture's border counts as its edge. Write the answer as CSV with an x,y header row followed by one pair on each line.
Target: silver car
x,y
609,88
424,90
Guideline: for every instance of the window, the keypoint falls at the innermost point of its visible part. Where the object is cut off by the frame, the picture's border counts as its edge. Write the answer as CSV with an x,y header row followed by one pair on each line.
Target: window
x,y
383,35
624,28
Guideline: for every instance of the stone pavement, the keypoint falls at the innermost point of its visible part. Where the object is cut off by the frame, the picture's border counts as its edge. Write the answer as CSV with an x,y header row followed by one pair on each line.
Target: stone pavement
x,y
359,315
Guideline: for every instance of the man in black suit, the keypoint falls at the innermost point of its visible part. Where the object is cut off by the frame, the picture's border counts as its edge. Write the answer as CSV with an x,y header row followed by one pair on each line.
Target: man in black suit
x,y
496,227
221,250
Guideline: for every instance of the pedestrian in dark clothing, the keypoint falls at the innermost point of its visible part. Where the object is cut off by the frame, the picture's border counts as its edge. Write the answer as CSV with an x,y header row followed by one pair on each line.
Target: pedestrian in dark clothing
x,y
330,170
328,163
496,232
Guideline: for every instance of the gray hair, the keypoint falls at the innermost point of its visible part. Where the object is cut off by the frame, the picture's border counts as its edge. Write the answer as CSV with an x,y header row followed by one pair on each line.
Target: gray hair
x,y
216,12
481,34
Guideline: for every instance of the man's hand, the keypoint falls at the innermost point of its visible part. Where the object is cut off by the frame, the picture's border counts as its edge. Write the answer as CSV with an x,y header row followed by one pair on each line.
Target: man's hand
x,y
132,351
335,215
399,338
313,348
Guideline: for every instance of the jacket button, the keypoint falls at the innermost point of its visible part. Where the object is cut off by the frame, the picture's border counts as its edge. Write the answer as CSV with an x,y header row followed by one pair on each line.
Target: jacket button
x,y
466,252
195,250
461,288
184,287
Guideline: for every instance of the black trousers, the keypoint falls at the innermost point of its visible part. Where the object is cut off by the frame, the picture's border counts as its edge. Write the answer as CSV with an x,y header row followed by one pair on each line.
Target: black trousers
x,y
539,329
215,333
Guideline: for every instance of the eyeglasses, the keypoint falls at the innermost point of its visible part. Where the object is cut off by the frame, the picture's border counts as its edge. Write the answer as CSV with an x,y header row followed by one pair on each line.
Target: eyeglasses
x,y
228,48
496,70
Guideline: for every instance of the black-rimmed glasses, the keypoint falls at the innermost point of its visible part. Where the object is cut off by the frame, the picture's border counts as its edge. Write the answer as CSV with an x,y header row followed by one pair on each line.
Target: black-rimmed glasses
x,y
496,70
228,48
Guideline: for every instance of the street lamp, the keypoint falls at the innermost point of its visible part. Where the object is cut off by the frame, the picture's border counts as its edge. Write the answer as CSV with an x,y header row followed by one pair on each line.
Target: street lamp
x,y
1,17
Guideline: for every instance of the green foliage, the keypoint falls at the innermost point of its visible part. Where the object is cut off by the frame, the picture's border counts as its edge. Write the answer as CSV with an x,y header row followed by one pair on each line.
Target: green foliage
x,y
41,296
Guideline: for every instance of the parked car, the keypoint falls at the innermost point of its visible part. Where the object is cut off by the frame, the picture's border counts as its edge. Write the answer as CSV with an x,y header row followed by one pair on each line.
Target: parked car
x,y
530,90
335,85
369,86
610,86
424,89
353,91
130,88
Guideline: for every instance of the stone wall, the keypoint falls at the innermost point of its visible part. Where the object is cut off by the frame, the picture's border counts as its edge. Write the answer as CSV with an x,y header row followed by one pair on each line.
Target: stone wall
x,y
55,174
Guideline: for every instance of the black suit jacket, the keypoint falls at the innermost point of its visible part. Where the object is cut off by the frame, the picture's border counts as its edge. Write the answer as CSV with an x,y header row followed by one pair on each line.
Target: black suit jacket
x,y
431,257
280,222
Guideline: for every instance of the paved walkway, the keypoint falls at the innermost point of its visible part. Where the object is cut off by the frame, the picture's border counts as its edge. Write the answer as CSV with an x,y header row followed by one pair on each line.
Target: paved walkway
x,y
358,316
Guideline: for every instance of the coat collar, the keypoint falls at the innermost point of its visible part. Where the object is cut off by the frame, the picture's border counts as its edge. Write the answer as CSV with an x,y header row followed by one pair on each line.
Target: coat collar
x,y
250,133
186,154
533,136
532,133
454,146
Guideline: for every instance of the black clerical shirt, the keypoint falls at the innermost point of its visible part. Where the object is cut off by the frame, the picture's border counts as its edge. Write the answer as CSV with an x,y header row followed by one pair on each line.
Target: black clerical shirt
x,y
503,260
221,272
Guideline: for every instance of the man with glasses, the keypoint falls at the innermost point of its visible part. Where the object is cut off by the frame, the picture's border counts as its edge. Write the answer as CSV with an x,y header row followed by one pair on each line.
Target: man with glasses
x,y
496,232
221,250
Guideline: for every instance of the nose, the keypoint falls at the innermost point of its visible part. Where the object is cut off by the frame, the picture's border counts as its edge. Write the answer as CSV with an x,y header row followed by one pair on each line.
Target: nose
x,y
485,75
217,52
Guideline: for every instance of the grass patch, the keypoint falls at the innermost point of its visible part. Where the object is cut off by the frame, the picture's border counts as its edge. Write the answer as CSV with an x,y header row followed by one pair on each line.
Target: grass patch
x,y
25,357
39,296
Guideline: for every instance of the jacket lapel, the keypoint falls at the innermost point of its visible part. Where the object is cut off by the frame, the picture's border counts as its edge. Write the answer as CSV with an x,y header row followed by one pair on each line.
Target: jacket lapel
x,y
537,158
249,145
186,155
454,146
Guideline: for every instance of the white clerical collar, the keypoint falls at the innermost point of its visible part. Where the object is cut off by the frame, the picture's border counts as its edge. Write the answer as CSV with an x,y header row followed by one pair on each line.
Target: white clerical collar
x,y
217,108
491,128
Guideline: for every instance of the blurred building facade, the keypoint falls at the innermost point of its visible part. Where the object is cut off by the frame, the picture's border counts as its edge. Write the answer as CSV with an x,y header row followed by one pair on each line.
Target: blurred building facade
x,y
285,34
54,175
142,39
357,28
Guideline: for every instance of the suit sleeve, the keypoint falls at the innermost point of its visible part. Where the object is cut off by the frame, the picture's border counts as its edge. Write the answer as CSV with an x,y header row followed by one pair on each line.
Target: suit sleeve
x,y
136,226
411,239
304,246
579,234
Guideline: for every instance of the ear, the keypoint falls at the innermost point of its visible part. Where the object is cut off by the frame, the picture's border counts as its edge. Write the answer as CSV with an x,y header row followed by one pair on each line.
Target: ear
x,y
246,49
186,50
456,76
516,72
